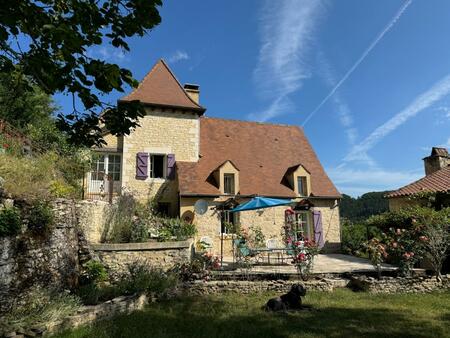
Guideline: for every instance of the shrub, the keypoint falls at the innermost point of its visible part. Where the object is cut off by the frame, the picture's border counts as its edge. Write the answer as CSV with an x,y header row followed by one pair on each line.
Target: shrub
x,y
198,268
142,278
403,232
10,222
121,219
40,217
93,294
355,236
95,272
169,228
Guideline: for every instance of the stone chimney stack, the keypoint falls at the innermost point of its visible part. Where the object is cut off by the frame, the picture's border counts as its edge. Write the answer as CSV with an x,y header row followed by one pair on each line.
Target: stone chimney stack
x,y
439,158
193,91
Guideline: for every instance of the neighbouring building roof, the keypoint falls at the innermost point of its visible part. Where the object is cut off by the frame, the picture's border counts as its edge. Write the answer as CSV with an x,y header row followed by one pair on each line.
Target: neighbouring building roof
x,y
439,181
262,152
161,88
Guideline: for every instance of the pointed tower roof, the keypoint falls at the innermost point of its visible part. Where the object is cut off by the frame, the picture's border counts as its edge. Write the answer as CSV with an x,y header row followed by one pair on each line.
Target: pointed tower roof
x,y
161,88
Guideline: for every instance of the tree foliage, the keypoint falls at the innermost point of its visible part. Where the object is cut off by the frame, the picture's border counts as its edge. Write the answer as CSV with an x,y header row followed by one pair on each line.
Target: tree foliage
x,y
23,104
361,208
47,41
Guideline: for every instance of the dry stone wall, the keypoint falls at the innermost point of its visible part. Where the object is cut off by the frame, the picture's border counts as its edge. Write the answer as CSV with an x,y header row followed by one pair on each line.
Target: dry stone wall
x,y
47,260
117,257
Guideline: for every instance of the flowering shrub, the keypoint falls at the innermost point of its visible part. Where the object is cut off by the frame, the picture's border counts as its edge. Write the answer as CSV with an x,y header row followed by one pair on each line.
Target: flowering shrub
x,y
406,237
198,268
302,250
303,253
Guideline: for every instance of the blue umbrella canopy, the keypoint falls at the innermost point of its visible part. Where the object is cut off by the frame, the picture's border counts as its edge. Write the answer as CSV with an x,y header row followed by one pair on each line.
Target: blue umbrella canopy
x,y
261,203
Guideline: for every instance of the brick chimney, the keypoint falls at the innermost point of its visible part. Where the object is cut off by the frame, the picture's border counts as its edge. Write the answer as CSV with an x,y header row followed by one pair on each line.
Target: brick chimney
x,y
193,91
439,158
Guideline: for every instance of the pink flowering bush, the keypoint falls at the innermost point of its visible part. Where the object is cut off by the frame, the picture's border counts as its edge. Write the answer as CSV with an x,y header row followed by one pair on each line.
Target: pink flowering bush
x,y
405,237
302,250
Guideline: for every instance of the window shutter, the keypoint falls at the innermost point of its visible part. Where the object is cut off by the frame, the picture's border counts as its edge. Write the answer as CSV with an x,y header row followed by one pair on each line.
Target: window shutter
x,y
171,166
141,166
318,228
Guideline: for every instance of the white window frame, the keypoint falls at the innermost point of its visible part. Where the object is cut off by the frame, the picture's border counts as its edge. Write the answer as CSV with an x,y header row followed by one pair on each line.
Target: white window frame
x,y
106,165
304,226
150,167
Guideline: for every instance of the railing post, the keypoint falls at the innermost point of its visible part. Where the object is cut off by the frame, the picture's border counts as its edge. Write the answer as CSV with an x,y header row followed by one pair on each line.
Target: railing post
x,y
111,188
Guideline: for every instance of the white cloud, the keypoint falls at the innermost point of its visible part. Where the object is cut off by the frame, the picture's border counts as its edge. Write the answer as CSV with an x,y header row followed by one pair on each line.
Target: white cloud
x,y
422,102
107,53
178,55
355,182
287,30
366,52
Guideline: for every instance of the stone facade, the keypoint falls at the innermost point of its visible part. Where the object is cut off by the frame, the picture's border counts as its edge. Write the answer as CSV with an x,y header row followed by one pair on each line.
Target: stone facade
x,y
160,132
270,220
117,257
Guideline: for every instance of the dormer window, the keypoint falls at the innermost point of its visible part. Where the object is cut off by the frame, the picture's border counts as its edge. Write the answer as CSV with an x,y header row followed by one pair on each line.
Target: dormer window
x,y
302,186
228,184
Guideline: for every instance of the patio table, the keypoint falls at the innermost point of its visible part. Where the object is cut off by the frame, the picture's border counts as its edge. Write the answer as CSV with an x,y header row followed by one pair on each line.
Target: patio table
x,y
278,251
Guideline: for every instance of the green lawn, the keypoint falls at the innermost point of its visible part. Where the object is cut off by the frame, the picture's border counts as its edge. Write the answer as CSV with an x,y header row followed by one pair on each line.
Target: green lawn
x,y
342,313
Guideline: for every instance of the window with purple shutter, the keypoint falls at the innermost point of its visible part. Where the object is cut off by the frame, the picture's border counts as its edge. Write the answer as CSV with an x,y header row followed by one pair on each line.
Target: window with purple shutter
x,y
141,166
318,228
171,166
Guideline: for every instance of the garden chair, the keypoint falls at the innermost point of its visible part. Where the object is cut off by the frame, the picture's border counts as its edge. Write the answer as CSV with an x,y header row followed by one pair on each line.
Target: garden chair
x,y
243,252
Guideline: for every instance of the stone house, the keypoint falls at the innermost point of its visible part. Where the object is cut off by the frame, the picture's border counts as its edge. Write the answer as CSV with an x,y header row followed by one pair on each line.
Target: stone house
x,y
182,159
436,182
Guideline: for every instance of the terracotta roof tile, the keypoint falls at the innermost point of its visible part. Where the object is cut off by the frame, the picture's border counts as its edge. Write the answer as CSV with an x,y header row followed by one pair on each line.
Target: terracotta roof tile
x,y
160,87
439,181
262,152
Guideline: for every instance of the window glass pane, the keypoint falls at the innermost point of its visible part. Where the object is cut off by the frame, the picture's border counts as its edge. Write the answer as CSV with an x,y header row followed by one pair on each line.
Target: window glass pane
x,y
98,168
301,185
228,181
157,166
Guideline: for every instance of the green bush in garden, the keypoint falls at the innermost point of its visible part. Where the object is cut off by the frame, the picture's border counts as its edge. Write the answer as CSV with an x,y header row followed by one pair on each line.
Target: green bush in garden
x,y
410,234
142,278
10,221
95,272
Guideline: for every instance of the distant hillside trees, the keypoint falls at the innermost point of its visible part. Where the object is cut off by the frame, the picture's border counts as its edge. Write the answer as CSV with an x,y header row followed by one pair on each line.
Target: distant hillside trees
x,y
360,208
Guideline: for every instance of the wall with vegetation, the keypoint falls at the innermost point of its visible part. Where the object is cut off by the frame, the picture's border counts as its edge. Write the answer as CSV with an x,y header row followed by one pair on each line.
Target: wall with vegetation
x,y
33,259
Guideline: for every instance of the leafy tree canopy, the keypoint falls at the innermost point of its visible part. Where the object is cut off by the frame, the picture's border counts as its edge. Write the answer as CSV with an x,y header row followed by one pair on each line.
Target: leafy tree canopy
x,y
22,104
359,209
58,34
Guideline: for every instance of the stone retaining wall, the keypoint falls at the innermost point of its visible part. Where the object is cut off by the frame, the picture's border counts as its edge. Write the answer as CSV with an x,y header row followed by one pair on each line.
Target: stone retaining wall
x,y
40,259
215,287
116,257
399,284
85,315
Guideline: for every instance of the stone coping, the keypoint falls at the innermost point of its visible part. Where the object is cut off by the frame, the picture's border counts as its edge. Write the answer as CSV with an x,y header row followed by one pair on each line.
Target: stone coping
x,y
146,246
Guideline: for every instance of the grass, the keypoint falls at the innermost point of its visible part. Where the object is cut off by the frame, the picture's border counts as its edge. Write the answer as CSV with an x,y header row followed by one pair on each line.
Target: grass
x,y
342,313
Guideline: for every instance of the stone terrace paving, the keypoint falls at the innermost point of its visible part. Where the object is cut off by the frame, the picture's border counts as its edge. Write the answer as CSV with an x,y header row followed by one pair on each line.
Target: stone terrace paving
x,y
323,264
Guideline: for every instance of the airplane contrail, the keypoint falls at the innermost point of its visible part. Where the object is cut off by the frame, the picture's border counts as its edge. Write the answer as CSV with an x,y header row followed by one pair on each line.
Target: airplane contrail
x,y
380,36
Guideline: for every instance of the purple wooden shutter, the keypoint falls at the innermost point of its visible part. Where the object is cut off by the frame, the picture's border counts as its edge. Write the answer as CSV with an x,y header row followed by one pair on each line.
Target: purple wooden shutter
x,y
141,166
318,228
170,166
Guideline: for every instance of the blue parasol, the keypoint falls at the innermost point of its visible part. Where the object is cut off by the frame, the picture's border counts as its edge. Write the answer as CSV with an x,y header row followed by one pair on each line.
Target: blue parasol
x,y
261,203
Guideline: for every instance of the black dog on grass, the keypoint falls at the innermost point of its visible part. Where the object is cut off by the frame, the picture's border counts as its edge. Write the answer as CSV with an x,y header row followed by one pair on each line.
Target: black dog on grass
x,y
289,301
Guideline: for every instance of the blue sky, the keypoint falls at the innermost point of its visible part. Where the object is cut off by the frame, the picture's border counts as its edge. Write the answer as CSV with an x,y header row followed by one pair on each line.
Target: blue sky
x,y
371,79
